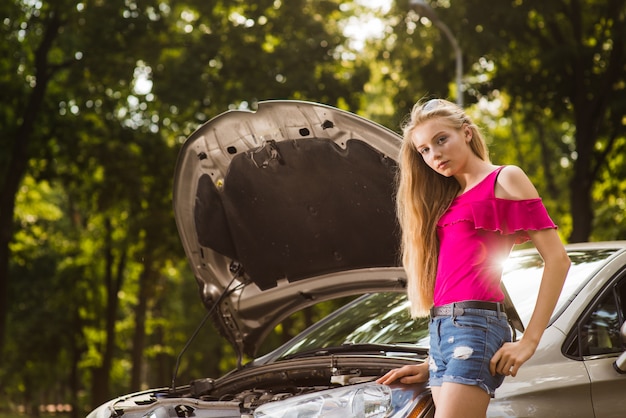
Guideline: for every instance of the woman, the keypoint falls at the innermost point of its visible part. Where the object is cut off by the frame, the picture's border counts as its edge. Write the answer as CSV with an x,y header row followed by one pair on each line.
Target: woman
x,y
460,217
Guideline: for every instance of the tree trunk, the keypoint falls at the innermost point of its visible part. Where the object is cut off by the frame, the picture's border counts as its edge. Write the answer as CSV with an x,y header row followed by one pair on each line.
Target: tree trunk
x,y
583,179
580,203
19,162
74,379
139,336
101,375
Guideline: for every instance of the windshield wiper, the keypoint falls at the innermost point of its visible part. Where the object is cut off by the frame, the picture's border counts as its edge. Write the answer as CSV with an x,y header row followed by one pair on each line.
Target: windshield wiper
x,y
392,350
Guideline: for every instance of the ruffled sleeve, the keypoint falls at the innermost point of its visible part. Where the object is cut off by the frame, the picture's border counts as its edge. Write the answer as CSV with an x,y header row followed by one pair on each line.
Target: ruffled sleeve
x,y
511,217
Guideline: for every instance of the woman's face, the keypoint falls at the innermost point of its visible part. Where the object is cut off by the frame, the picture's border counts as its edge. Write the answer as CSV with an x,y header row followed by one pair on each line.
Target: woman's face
x,y
443,148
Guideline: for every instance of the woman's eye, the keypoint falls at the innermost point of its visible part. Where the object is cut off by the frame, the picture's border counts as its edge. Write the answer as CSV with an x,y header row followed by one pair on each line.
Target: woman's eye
x,y
441,140
423,151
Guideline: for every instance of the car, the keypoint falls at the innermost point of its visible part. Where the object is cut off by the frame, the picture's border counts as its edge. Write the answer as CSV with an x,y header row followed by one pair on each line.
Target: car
x,y
579,367
293,204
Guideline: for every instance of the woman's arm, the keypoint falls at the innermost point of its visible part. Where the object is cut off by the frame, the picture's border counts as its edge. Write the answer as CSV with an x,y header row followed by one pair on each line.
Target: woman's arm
x,y
514,184
511,356
414,373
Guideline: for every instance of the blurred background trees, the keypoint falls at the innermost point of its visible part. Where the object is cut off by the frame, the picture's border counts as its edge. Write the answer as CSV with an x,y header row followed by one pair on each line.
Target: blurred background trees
x,y
96,298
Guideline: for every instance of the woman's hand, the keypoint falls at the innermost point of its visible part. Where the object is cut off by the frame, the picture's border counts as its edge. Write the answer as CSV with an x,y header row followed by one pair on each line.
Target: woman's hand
x,y
510,357
411,373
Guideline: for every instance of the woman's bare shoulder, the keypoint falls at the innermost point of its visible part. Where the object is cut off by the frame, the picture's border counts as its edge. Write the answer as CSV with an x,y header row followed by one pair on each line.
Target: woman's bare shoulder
x,y
514,184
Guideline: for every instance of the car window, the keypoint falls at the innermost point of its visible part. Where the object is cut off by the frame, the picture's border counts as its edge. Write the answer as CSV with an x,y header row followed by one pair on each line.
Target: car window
x,y
599,333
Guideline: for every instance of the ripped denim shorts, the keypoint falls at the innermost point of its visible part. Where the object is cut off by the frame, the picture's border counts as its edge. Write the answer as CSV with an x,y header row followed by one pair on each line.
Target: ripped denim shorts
x,y
462,346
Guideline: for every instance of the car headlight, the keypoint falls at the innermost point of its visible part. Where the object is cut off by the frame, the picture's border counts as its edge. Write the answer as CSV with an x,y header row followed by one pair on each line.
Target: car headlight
x,y
368,400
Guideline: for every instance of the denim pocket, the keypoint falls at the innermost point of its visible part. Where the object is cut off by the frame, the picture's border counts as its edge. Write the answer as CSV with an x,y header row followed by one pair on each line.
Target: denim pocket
x,y
477,322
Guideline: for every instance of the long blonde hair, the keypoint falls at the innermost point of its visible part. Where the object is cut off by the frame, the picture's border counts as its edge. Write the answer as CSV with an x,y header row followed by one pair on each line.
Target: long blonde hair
x,y
423,195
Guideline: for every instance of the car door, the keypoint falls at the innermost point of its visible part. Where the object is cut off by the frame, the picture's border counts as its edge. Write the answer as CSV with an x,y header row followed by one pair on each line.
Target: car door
x,y
600,343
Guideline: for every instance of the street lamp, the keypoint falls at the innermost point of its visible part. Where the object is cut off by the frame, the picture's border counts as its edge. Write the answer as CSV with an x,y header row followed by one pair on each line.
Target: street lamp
x,y
424,9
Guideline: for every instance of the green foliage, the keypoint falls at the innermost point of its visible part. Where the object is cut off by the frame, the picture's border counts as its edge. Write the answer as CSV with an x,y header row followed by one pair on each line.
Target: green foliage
x,y
562,66
609,195
39,352
101,301
554,68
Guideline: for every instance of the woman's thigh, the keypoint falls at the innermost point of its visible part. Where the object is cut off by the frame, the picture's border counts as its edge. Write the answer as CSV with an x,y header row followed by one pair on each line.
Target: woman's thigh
x,y
453,400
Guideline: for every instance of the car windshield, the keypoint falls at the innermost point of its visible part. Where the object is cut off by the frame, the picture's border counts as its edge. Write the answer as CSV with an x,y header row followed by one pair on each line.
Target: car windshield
x,y
384,318
380,318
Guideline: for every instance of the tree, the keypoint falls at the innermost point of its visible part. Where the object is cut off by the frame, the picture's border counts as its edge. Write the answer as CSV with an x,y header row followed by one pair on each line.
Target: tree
x,y
98,97
559,64
24,99
568,65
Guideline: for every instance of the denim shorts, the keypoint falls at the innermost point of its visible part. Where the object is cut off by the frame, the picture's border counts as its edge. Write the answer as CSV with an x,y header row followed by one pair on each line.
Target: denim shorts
x,y
462,346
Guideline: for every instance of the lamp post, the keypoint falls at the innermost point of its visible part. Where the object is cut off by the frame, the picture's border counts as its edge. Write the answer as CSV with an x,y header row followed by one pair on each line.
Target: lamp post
x,y
423,8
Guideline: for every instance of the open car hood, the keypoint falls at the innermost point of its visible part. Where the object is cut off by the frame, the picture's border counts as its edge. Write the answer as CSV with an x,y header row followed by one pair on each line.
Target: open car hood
x,y
286,207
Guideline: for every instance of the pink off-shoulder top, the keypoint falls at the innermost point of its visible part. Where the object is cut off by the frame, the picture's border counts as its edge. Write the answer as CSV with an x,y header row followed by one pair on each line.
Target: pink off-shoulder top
x,y
476,235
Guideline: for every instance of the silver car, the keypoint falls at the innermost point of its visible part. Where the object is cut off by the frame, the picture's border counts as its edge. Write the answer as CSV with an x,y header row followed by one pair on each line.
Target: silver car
x,y
291,205
579,367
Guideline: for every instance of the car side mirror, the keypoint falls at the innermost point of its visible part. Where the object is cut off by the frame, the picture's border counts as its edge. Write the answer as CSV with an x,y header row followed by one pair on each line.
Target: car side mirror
x,y
620,364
